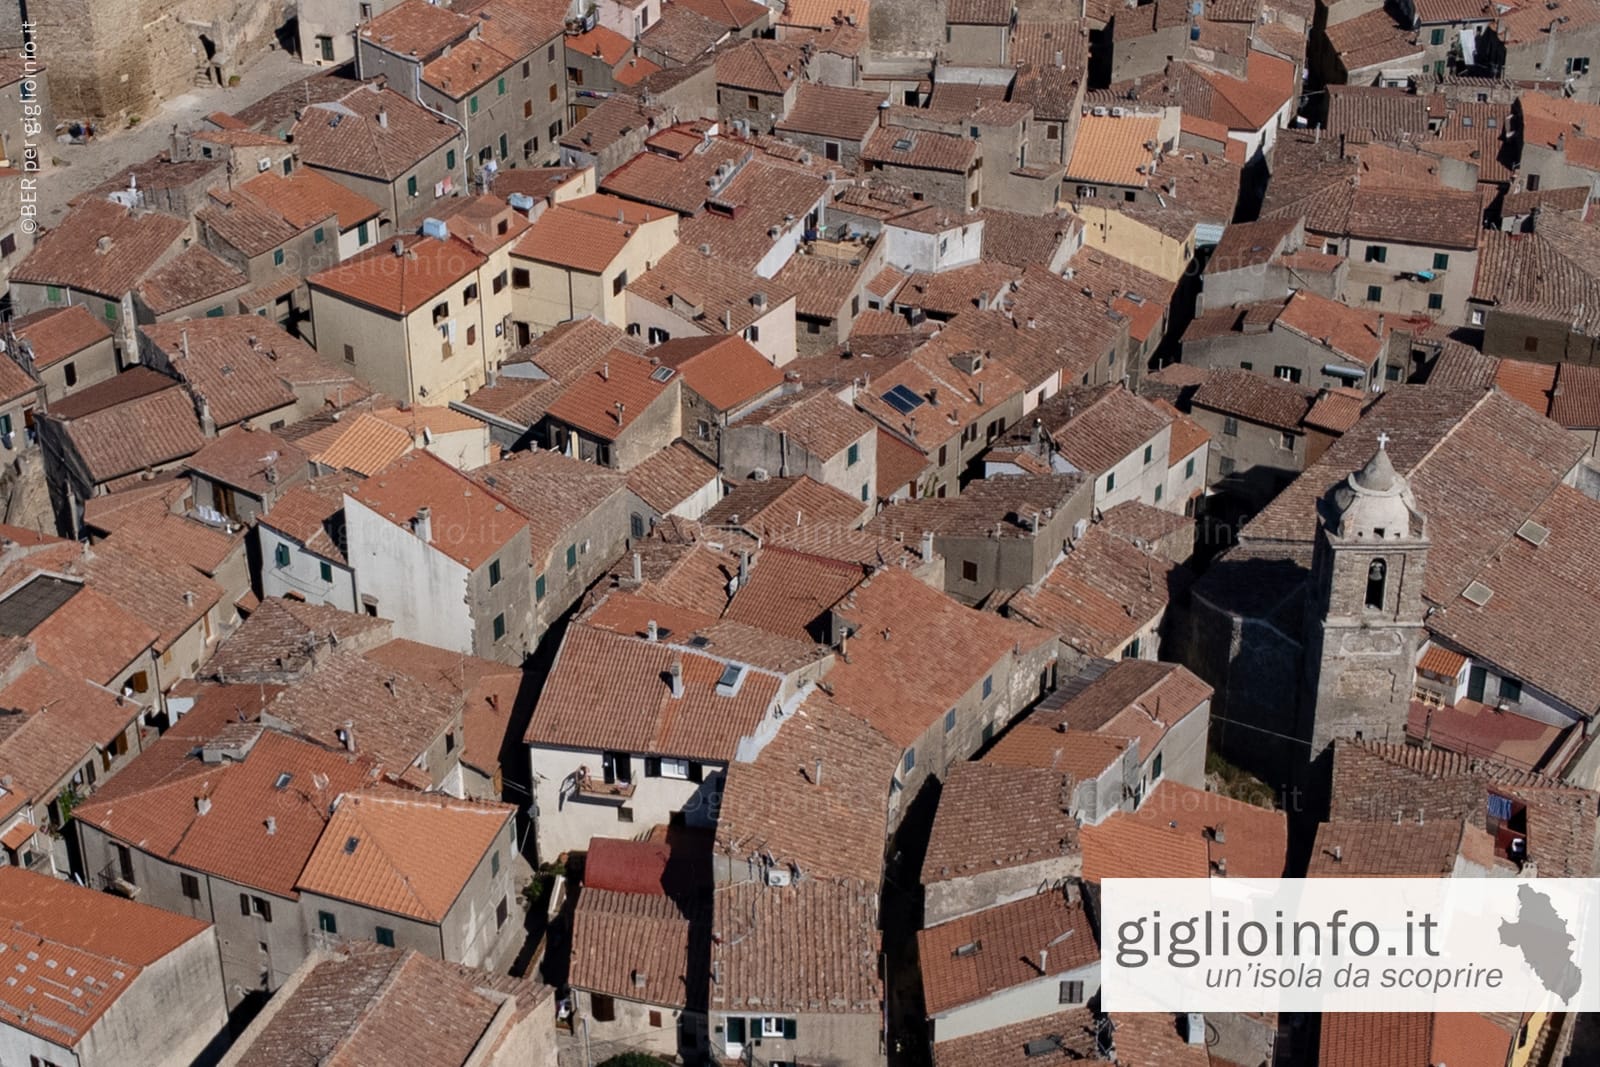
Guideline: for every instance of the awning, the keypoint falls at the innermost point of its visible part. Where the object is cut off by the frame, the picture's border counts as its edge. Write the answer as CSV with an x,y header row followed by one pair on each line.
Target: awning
x,y
18,835
1339,370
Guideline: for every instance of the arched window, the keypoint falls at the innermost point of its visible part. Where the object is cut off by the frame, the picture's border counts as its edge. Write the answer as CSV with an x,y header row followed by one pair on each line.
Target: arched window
x,y
1377,575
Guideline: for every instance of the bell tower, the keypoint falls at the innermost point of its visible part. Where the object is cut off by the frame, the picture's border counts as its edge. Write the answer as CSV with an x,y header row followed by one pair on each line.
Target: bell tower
x,y
1365,608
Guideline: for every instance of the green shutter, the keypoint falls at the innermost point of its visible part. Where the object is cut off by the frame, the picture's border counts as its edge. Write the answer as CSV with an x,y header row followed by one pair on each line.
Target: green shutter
x,y
790,1028
111,311
327,571
5,424
500,87
52,293
538,588
572,556
277,257
411,185
383,936
473,106
450,159
361,233
215,313
316,236
281,554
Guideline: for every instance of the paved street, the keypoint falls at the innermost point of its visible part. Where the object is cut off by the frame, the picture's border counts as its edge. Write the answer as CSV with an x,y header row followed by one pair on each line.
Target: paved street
x,y
85,166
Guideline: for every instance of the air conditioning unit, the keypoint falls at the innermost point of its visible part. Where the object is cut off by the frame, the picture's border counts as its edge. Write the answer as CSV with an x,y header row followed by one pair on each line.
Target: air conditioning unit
x,y
263,165
778,876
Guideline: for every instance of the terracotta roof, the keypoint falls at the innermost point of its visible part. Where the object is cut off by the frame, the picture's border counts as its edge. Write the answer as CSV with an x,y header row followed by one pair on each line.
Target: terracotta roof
x,y
815,419
764,508
400,284
717,297
808,947
231,839
282,640
903,695
683,35
1336,410
1114,150
1531,383
401,853
193,276
1529,273
1096,428
630,614
362,444
1008,940
370,1004
832,111
761,66
238,364
788,592
1254,841
605,401
1371,39
416,28
467,66
56,333
993,816
600,43
1133,698
898,465
553,492
609,691
671,476
345,134
1154,1040
823,13
1576,401
101,248
1386,849
308,196
1099,596
306,513
1351,332
1438,218
639,946
470,524
241,459
1072,1031
577,240
71,952
149,429
1001,506
763,196
1187,435
922,149
725,371
1254,397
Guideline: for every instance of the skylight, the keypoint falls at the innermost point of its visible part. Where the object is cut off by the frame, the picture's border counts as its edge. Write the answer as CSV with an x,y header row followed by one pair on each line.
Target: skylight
x,y
1478,593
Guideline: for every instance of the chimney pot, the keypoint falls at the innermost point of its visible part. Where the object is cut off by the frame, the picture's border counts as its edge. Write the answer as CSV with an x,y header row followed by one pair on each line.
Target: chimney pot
x,y
422,525
677,678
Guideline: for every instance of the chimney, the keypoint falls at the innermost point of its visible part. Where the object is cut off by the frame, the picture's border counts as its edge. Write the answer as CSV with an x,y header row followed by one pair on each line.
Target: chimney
x,y
1338,854
638,568
202,805
272,825
744,567
1218,834
927,545
727,320
422,525
1194,1028
383,118
188,599
816,773
605,370
677,678
651,631
1044,961
347,736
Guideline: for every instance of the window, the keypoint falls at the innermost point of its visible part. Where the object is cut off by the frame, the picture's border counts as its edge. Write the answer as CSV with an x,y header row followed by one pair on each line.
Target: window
x,y
657,335
752,102
349,353
472,105
383,936
1441,261
1510,690
619,283
277,260
110,312
317,236
866,492
554,92
500,87
502,911
1475,316
191,886
1435,301
1436,37
625,814
1392,372
411,185
1286,440
1111,481
472,335
217,312
1286,373
969,570
555,129
1188,468
1071,992
494,863
1245,364
519,278
1578,65
1159,493
441,311
572,556
1374,293
327,923
1533,183
538,588
327,571
498,283
852,455
258,906
1377,577
752,333
988,686
774,1026
499,626
71,372
52,293
494,572
1225,466
450,159
1131,649
325,48
909,762
1377,254
1530,344
280,555
603,1008
527,113
950,720
1149,452
1155,766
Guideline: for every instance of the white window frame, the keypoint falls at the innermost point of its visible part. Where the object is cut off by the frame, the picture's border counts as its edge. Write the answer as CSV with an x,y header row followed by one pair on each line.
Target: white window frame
x,y
771,1026
672,767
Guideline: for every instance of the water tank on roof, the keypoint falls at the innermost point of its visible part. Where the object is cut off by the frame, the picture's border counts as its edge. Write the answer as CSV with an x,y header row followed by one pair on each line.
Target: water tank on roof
x,y
435,228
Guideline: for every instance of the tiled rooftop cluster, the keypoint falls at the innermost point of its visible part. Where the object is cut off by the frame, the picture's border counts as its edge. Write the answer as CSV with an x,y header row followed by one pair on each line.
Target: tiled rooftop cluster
x,y
752,514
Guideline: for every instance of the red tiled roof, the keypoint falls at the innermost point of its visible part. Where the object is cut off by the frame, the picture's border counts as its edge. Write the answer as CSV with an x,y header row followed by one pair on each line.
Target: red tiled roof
x,y
1008,941
400,284
671,476
924,149
605,401
1114,150
992,816
470,523
345,134
788,591
725,371
577,240
56,333
809,947
100,248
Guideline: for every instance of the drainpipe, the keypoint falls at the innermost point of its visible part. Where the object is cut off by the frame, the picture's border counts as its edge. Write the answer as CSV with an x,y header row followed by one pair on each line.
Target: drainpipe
x,y
416,95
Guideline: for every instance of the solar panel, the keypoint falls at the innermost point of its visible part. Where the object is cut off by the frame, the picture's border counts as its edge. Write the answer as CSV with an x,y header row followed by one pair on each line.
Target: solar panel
x,y
903,400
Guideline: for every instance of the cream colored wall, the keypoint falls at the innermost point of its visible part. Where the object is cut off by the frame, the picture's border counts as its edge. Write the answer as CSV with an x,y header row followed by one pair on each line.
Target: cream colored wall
x,y
1127,239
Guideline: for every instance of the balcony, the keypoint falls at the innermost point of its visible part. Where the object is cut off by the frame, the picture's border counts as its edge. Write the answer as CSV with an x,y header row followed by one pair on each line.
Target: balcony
x,y
596,790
